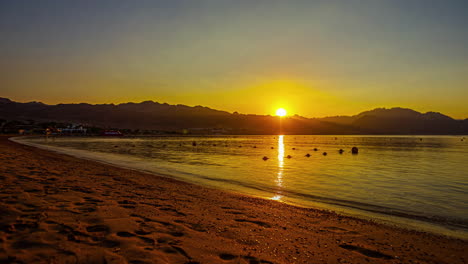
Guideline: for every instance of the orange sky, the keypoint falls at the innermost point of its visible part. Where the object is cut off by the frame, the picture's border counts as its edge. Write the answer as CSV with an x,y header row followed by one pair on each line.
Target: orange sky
x,y
313,58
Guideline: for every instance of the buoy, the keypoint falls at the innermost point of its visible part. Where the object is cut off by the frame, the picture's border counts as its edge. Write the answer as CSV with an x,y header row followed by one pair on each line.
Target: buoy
x,y
307,155
194,144
265,158
315,149
289,156
254,146
324,153
354,150
272,148
341,151
293,148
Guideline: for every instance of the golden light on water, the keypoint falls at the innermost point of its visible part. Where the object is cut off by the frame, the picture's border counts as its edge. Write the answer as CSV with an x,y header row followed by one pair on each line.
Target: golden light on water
x,y
279,178
281,112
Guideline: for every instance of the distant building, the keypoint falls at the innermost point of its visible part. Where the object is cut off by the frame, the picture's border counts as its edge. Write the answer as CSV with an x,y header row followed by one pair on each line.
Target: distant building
x,y
73,129
114,133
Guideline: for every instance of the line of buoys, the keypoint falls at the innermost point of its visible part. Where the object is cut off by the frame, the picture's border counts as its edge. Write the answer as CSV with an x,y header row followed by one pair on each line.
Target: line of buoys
x,y
354,150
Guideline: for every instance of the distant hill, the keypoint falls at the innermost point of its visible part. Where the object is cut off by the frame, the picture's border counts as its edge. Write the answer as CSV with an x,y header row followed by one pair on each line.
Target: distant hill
x,y
156,116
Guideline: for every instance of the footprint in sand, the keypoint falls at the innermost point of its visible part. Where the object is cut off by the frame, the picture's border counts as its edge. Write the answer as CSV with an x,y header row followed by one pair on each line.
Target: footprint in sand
x,y
110,243
366,252
250,259
127,204
125,234
98,228
260,223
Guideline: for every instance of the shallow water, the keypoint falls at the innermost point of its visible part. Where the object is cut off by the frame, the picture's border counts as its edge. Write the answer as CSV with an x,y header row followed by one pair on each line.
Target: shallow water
x,y
415,181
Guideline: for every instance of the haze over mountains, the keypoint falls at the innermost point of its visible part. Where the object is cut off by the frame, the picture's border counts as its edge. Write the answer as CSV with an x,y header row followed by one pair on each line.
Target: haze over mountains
x,y
156,116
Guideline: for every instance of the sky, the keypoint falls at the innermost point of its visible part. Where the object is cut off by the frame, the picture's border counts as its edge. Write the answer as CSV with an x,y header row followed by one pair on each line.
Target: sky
x,y
314,58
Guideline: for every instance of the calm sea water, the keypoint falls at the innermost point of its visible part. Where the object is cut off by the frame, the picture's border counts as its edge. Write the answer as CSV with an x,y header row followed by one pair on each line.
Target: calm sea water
x,y
418,182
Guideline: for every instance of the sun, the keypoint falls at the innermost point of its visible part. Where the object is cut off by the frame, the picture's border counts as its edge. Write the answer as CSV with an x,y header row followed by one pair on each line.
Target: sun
x,y
281,112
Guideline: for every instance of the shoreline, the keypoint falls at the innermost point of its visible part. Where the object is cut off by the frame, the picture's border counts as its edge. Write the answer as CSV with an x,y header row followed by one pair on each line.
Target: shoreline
x,y
80,210
410,221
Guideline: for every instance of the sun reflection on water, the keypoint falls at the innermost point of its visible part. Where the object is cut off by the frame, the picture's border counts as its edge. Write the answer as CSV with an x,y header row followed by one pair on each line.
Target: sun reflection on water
x,y
279,178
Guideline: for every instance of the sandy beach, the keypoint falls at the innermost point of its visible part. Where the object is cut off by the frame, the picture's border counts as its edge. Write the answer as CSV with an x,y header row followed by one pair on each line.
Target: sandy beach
x,y
59,209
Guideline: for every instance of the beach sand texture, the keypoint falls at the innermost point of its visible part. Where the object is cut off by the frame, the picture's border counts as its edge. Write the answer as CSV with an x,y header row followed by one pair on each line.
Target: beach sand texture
x,y
59,209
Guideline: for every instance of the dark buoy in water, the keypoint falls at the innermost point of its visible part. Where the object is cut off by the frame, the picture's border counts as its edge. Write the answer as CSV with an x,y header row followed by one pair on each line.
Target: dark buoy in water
x,y
307,155
194,144
272,148
341,151
324,153
254,146
289,156
118,146
293,148
420,139
355,150
315,149
265,158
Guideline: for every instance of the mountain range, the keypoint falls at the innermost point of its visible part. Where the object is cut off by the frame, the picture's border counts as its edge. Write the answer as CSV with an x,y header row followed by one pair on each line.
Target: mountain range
x,y
151,115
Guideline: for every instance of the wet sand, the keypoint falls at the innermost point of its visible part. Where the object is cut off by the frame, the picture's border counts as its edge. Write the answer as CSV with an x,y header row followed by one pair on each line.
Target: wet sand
x,y
59,209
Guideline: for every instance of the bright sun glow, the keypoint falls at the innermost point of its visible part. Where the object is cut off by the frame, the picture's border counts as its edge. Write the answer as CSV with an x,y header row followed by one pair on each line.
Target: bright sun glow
x,y
281,112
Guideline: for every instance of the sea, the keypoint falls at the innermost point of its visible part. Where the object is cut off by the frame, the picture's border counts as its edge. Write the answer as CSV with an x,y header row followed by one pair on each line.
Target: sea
x,y
415,182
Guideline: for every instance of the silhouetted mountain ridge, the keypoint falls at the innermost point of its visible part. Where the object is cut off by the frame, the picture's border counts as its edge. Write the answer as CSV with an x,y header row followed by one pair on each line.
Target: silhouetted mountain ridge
x,y
162,116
